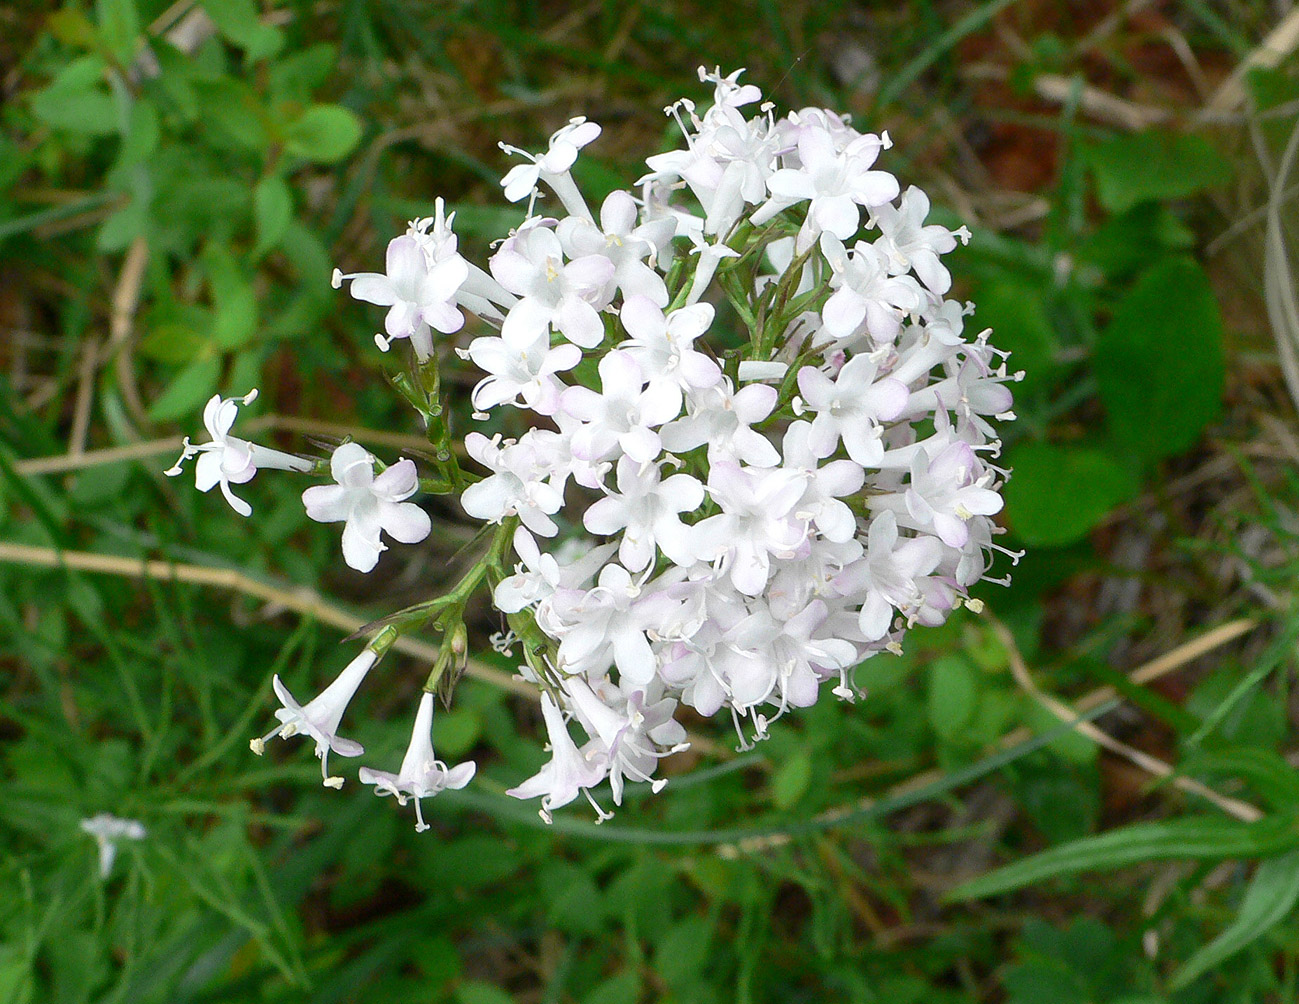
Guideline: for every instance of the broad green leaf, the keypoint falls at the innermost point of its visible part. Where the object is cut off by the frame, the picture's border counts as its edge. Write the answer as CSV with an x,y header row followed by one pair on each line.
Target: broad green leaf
x,y
272,210
142,134
953,694
1271,895
790,781
1154,165
323,133
232,114
457,730
172,342
119,27
233,301
1202,838
1057,493
192,386
1016,312
1159,363
239,21
295,76
77,101
622,988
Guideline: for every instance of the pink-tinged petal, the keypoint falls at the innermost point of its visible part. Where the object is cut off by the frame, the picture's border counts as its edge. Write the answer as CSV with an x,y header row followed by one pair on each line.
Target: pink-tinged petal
x,y
398,483
491,498
352,465
636,552
888,398
875,188
641,444
876,616
582,134
219,416
511,269
236,503
863,444
683,493
442,317
618,214
444,280
688,323
660,403
750,569
526,320
754,448
754,402
460,775
606,516
836,521
712,537
406,264
817,389
326,503
590,272
560,358
582,403
932,272
401,319
519,182
539,523
838,214
840,477
641,318
360,549
791,186
843,312
580,323
699,371
207,470
816,150
404,522
951,531
619,374
374,287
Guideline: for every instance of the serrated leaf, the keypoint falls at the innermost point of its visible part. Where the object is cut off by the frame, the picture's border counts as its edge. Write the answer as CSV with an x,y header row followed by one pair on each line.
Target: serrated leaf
x,y
1058,493
272,211
1271,895
1203,838
323,133
1154,165
1159,363
191,387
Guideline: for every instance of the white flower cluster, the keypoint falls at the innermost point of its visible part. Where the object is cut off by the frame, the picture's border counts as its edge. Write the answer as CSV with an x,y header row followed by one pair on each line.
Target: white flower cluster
x,y
757,443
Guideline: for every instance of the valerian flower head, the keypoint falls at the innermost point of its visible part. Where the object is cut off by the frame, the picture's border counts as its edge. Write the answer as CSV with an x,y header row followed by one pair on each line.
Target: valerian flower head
x,y
319,718
108,830
421,774
368,504
226,460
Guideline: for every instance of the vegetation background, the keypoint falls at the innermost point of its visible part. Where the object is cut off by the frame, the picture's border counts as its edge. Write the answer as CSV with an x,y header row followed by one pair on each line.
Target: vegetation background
x,y
1086,794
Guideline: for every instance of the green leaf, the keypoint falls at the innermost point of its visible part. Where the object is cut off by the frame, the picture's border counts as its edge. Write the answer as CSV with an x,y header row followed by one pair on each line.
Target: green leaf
x,y
622,988
1271,895
1159,363
953,694
1058,493
1204,838
173,343
142,134
1016,312
232,114
1152,166
233,300
790,781
239,22
194,385
324,133
272,211
478,992
77,101
119,27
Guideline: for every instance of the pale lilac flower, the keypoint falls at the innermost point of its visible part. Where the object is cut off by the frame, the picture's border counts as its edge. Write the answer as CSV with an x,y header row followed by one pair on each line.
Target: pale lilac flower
x,y
528,372
647,512
623,417
227,460
909,244
516,486
865,293
619,239
319,718
724,418
552,293
569,772
663,345
552,166
368,504
949,489
421,774
885,579
850,408
419,294
107,830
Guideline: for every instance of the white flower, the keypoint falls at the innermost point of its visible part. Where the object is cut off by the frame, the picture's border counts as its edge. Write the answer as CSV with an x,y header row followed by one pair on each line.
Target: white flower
x,y
886,577
623,416
526,371
647,511
627,245
569,771
368,504
865,292
851,407
552,293
419,294
107,830
560,155
909,244
319,718
516,486
227,460
421,774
